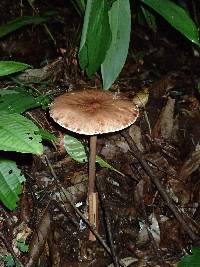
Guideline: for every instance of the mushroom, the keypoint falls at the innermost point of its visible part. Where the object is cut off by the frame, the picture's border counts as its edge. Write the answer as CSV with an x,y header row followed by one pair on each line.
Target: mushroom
x,y
92,112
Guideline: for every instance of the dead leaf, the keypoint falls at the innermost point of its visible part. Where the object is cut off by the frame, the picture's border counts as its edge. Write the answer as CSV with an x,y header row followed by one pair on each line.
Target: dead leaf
x,y
164,126
136,135
162,86
39,239
153,228
190,165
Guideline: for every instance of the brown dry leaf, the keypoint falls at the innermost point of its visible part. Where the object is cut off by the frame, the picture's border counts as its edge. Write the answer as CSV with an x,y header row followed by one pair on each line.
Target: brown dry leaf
x,y
41,74
136,135
170,235
190,165
178,191
153,228
160,164
191,105
144,189
148,263
39,238
162,86
164,126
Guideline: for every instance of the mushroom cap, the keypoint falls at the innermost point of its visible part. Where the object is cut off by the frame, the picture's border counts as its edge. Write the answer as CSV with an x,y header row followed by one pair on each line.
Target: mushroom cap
x,y
92,112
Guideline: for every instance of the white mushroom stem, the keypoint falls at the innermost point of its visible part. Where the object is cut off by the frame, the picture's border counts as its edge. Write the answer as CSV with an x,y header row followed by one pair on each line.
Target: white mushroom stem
x,y
92,196
92,163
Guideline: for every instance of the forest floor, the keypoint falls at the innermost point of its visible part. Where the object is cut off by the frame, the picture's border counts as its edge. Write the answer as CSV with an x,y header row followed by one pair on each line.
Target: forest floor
x,y
149,215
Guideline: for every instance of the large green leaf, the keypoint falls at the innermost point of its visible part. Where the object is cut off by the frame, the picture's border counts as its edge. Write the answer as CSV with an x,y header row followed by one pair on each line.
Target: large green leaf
x,y
192,260
77,151
19,134
120,23
17,102
23,21
176,16
9,67
149,17
96,36
10,183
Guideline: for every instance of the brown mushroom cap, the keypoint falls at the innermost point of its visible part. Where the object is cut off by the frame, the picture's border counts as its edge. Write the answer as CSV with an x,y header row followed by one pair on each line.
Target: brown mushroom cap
x,y
92,112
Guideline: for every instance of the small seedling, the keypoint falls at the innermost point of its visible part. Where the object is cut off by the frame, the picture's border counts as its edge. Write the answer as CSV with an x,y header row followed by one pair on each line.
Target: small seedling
x,y
8,261
22,246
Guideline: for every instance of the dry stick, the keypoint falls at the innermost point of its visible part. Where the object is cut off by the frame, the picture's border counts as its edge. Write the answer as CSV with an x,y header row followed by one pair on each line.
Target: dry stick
x,y
75,208
138,155
10,249
39,237
92,228
101,187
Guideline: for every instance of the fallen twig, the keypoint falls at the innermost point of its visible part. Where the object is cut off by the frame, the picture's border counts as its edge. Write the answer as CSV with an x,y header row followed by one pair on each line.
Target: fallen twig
x,y
39,238
101,189
67,199
138,155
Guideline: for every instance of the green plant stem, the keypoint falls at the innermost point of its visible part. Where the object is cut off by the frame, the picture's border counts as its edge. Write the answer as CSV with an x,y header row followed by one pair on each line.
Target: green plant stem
x,y
50,34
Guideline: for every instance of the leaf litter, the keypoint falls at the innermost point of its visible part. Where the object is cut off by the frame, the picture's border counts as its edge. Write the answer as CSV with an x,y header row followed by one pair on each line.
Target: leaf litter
x,y
136,222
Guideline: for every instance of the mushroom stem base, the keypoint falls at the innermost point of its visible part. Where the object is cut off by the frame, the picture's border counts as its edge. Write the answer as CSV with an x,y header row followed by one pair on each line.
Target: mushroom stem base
x,y
93,213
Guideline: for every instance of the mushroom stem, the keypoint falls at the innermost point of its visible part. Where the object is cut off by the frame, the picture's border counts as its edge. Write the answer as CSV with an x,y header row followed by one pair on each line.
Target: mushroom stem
x,y
92,162
92,196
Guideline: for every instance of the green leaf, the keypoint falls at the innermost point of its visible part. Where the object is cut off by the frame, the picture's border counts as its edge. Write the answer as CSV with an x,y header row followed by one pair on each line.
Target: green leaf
x,y
176,16
17,102
198,87
8,91
96,36
10,183
150,18
191,260
22,246
19,134
9,67
9,261
23,21
46,135
75,148
77,151
105,164
79,6
120,23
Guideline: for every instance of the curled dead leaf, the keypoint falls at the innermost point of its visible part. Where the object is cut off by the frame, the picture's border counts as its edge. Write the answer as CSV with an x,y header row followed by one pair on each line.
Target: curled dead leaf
x,y
164,125
190,165
141,98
